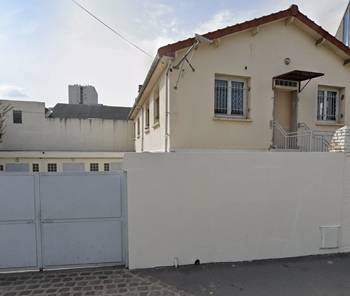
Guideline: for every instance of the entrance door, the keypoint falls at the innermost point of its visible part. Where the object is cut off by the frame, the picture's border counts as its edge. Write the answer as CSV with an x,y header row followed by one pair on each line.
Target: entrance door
x,y
285,114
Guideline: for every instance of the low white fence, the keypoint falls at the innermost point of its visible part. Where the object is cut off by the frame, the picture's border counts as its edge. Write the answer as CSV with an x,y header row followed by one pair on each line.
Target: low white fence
x,y
235,206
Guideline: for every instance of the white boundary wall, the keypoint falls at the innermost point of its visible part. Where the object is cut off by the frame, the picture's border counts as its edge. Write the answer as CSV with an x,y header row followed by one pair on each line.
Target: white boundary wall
x,y
234,206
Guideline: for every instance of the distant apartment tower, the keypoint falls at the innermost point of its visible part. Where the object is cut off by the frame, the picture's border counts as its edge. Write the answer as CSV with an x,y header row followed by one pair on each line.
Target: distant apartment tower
x,y
82,94
343,32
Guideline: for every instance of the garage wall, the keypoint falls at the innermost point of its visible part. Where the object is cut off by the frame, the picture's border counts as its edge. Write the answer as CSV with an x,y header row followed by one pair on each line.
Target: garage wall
x,y
234,206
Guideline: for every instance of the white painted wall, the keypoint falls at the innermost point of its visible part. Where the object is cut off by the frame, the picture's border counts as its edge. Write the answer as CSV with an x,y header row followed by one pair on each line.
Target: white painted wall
x,y
55,134
233,206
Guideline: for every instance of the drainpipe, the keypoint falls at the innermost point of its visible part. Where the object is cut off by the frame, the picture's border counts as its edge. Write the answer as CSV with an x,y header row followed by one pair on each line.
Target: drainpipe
x,y
167,112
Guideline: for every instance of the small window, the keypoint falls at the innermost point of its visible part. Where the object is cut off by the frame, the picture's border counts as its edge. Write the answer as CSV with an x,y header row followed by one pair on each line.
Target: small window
x,y
52,167
230,97
327,105
156,109
106,167
35,167
138,127
147,117
93,167
1,167
17,116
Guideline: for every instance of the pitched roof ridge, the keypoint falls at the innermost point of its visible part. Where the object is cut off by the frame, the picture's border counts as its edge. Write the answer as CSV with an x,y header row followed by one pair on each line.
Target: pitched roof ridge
x,y
292,11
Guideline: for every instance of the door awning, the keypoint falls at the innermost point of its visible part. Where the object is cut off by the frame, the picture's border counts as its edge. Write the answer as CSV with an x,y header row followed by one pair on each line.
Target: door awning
x,y
298,75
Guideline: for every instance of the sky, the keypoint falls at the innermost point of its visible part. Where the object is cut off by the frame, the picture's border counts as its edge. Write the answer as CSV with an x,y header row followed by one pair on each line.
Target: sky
x,y
45,45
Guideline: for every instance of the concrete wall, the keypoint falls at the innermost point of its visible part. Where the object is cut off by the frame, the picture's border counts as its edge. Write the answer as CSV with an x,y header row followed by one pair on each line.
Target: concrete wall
x,y
234,206
40,133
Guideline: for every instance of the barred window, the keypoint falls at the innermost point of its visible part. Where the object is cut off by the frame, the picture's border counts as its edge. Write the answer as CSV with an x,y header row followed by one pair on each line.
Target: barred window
x,y
327,105
52,167
93,167
230,97
17,116
35,167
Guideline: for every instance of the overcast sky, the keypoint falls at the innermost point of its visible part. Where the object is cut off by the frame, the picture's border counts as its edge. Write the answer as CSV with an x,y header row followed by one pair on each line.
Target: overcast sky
x,y
47,44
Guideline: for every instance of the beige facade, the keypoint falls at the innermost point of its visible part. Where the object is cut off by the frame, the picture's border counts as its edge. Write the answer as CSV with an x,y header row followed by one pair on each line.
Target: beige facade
x,y
255,56
40,133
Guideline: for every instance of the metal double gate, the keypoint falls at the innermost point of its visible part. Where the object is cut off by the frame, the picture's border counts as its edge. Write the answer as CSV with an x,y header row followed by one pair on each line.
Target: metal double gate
x,y
62,220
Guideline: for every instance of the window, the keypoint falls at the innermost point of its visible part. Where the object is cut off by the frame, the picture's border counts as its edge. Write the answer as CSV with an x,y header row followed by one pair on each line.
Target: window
x,y
230,97
1,167
52,167
138,127
147,117
106,167
156,109
327,105
17,116
93,167
35,167
346,27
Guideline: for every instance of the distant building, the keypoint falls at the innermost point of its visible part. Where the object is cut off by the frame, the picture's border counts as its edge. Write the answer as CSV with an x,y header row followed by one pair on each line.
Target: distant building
x,y
67,137
343,32
82,94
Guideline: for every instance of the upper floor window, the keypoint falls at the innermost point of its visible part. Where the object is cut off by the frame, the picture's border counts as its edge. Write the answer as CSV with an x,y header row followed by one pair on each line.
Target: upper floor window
x,y
147,117
346,27
156,108
230,97
17,116
327,104
106,167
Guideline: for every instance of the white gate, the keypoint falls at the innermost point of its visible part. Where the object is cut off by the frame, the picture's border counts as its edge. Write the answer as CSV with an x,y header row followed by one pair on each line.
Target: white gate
x,y
62,220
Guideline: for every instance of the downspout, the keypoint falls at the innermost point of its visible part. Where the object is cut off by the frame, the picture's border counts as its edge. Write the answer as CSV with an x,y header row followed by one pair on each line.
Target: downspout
x,y
167,112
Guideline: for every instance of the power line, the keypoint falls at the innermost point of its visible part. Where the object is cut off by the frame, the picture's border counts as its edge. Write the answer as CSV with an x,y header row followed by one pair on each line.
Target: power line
x,y
113,30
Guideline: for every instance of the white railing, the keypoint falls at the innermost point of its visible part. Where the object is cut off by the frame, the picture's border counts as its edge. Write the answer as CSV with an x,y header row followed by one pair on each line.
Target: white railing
x,y
304,140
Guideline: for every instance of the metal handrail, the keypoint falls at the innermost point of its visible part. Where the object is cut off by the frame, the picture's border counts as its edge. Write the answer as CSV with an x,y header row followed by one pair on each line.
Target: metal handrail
x,y
304,139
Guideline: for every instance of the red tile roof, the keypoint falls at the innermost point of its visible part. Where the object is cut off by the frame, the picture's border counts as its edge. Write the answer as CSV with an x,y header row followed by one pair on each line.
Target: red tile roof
x,y
292,11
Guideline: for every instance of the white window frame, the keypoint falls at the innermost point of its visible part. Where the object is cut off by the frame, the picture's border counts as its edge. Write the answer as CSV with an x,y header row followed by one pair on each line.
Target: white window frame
x,y
229,80
337,104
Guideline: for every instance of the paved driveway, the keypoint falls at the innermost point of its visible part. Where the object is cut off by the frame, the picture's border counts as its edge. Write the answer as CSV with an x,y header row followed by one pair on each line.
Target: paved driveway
x,y
99,281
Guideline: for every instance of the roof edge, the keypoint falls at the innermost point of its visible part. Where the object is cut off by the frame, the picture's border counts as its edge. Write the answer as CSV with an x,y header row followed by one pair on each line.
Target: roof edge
x,y
292,11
